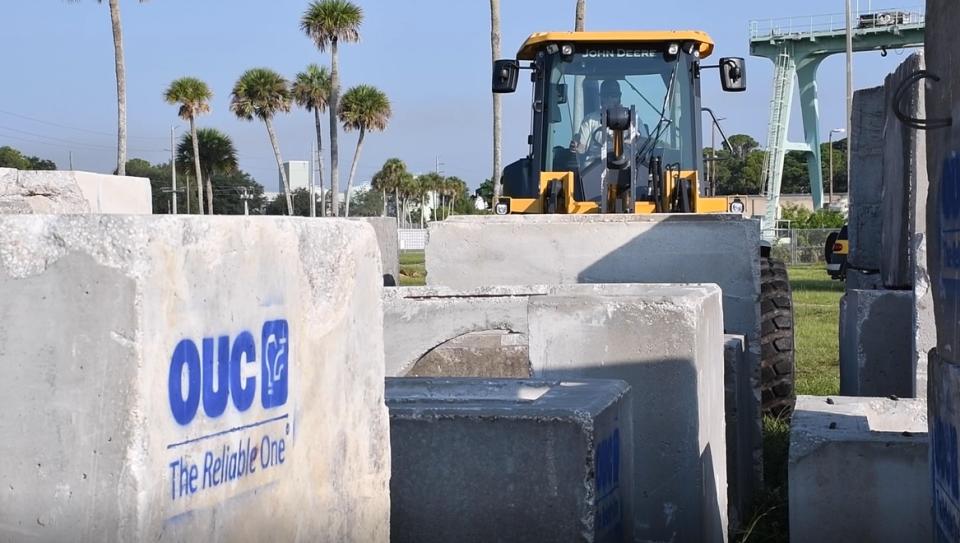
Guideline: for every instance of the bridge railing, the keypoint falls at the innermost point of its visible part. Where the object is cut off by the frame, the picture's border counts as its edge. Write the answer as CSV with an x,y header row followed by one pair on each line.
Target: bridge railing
x,y
815,25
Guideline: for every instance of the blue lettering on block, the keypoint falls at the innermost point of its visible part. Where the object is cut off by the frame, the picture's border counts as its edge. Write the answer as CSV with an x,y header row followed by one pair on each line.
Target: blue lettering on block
x,y
242,391
215,396
185,356
276,354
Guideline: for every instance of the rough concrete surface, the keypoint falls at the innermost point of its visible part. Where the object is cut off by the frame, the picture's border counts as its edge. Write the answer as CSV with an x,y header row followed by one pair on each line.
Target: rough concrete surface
x,y
904,180
744,435
56,192
866,169
668,345
944,422
491,353
386,229
191,379
876,343
478,460
858,470
859,280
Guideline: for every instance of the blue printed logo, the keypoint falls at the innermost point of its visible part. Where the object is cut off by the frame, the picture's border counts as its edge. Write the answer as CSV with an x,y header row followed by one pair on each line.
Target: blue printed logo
x,y
950,226
273,392
225,372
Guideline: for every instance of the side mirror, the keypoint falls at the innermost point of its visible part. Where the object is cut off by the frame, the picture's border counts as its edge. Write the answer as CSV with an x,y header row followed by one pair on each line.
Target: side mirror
x,y
505,75
733,74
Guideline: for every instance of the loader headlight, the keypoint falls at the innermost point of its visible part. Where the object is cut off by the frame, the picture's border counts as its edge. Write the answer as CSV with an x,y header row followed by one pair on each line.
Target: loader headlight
x,y
736,206
673,49
502,207
566,49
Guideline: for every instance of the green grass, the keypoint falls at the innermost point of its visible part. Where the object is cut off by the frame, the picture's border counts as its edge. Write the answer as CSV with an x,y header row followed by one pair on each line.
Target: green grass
x,y
413,269
816,311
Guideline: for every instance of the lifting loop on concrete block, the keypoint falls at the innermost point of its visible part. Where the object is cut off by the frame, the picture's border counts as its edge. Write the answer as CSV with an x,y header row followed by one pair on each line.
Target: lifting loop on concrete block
x,y
919,124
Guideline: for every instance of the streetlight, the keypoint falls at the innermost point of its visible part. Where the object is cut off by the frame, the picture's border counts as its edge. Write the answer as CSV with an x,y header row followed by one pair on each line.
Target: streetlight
x,y
838,131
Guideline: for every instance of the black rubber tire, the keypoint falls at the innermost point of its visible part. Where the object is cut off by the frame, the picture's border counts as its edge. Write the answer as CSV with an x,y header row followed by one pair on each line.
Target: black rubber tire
x,y
777,359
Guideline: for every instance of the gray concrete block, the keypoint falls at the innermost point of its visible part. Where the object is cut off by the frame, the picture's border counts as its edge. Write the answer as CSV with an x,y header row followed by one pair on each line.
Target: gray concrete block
x,y
944,409
510,460
491,353
860,280
668,345
904,191
191,379
858,470
876,343
386,229
57,192
744,433
866,174
924,322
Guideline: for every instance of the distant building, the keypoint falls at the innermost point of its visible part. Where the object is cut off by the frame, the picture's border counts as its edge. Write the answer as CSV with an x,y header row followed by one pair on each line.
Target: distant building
x,y
298,174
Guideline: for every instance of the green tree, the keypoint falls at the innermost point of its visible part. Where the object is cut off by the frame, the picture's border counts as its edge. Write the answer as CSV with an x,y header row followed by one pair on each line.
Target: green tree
x,y
262,93
229,189
300,199
364,108
217,156
389,179
427,183
311,91
802,218
193,96
367,203
12,158
327,23
742,145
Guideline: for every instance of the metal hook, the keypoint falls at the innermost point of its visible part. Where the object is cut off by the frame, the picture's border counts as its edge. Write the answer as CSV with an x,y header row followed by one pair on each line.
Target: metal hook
x,y
918,124
883,51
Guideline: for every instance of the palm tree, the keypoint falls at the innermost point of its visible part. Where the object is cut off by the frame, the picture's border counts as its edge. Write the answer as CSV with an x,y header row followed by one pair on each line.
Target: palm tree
x,y
409,190
364,108
328,22
194,96
428,182
311,91
455,187
262,93
216,152
121,85
389,178
497,109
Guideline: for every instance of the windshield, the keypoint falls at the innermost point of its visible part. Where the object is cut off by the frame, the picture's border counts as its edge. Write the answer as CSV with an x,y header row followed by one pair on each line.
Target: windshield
x,y
580,87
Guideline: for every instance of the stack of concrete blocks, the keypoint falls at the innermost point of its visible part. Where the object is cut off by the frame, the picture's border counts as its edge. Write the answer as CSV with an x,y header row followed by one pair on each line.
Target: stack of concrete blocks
x,y
887,286
191,379
569,249
665,341
30,192
478,460
858,470
943,220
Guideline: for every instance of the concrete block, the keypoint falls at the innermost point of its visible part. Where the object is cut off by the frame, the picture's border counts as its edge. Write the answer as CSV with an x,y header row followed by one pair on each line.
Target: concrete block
x,y
57,192
944,408
744,433
510,460
876,343
866,174
386,229
668,345
904,192
924,322
491,353
858,470
860,280
191,379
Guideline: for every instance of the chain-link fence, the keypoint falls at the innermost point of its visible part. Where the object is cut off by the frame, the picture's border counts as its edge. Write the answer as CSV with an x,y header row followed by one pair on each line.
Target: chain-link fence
x,y
795,246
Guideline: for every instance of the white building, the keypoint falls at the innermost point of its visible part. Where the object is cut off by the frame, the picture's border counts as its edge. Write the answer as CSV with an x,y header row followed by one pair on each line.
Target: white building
x,y
298,174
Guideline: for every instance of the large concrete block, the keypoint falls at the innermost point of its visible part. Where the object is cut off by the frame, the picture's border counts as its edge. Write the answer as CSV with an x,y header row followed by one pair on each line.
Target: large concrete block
x,y
744,433
191,379
860,280
668,345
904,179
56,192
944,411
510,460
924,322
386,229
858,470
876,343
866,175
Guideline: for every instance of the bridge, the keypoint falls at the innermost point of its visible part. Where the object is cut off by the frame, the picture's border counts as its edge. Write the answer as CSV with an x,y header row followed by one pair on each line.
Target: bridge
x,y
797,46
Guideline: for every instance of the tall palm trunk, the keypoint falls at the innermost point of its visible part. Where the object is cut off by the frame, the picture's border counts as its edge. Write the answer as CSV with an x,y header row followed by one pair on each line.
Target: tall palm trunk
x,y
187,180
578,25
396,203
316,114
383,197
283,174
497,109
121,88
353,170
334,107
196,162
581,14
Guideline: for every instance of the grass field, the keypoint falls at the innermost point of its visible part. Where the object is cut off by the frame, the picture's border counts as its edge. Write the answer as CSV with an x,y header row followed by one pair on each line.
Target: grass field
x,y
816,305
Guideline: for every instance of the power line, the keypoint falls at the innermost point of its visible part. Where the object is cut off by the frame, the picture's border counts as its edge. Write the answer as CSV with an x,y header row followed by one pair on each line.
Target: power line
x,y
73,142
112,135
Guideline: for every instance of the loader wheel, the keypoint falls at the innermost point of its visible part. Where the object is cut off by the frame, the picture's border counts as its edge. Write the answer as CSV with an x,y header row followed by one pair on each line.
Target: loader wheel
x,y
777,362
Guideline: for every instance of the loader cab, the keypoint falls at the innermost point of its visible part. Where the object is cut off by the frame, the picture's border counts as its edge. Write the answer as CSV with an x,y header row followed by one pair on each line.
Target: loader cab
x,y
581,82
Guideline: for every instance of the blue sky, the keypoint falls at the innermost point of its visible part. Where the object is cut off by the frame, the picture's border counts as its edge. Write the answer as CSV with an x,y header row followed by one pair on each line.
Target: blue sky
x,y
431,57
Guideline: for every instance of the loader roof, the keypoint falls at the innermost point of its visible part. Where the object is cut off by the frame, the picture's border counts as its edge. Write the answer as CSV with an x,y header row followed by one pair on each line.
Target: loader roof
x,y
631,37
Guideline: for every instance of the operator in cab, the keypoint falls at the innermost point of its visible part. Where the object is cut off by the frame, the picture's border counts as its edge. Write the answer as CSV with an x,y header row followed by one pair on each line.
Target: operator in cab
x,y
588,140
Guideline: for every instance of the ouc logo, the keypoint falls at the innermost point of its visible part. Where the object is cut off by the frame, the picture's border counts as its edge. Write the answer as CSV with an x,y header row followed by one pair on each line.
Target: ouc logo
x,y
217,380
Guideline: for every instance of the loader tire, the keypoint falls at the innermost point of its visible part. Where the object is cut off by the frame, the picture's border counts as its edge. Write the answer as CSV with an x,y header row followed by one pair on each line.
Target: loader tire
x,y
777,362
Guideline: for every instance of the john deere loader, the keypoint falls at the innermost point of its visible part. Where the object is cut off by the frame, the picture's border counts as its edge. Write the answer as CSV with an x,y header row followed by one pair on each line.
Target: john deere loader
x,y
617,129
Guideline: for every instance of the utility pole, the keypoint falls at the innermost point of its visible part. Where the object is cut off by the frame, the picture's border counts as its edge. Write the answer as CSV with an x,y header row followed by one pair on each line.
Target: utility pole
x,y
832,132
246,197
313,196
71,161
173,167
